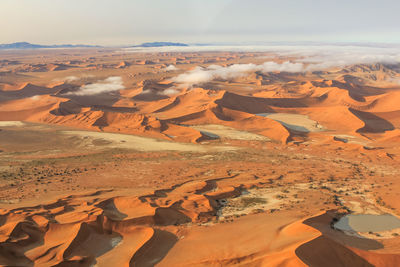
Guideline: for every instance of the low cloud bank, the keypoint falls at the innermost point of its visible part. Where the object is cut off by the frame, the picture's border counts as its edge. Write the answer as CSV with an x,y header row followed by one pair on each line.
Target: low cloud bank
x,y
111,84
316,58
332,60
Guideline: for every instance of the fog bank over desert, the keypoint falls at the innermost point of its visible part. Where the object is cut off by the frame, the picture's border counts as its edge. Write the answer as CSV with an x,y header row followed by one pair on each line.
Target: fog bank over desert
x,y
308,59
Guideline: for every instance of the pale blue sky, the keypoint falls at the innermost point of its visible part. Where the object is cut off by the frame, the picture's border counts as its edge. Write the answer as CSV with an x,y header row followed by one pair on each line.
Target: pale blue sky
x,y
121,22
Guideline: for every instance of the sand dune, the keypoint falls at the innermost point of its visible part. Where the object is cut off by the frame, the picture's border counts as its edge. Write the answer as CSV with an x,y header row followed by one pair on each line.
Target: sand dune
x,y
126,230
94,228
242,167
324,101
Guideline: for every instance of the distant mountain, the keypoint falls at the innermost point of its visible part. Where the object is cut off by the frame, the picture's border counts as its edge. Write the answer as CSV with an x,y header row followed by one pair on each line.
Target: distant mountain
x,y
26,45
160,44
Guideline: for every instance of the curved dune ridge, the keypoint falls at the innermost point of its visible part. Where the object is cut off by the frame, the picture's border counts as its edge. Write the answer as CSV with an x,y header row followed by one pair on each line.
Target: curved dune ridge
x,y
86,229
101,229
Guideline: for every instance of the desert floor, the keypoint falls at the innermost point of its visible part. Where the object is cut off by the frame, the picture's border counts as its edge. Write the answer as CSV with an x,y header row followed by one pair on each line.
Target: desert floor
x,y
248,169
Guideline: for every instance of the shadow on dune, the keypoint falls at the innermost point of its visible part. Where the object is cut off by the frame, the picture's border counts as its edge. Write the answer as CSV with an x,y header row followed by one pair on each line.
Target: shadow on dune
x,y
175,103
356,85
332,247
149,97
114,109
154,250
256,105
372,123
28,90
170,216
106,99
325,252
67,108
110,210
11,253
323,224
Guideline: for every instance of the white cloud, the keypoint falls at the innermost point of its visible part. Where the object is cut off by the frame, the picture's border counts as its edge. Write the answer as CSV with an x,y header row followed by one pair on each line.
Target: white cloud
x,y
146,91
170,91
171,68
201,75
71,79
196,76
287,66
111,84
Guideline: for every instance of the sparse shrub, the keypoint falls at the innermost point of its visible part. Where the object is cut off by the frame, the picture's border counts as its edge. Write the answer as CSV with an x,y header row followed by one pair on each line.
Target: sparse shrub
x,y
251,201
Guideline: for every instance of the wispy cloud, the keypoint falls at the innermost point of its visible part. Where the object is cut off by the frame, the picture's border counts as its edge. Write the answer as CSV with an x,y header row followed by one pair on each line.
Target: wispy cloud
x,y
72,78
111,84
169,91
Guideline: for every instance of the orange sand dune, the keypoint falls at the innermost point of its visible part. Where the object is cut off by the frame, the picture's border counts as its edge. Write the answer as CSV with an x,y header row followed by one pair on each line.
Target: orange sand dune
x,y
277,159
391,136
209,246
28,108
236,119
333,249
385,103
126,230
192,101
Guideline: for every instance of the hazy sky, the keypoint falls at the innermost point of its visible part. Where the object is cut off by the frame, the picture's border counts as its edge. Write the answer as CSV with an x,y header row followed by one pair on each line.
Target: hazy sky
x,y
117,22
